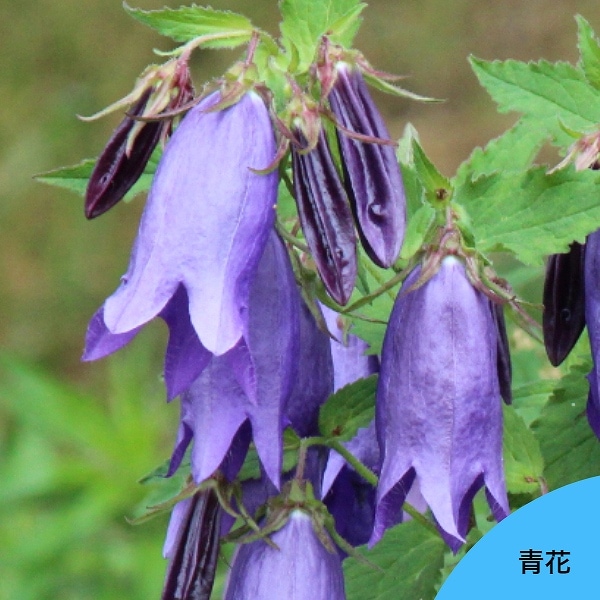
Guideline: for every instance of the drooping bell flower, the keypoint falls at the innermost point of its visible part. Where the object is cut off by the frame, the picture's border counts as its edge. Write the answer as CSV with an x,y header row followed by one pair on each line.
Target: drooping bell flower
x,y
564,302
126,154
192,546
204,229
300,567
326,218
371,172
439,415
592,318
216,406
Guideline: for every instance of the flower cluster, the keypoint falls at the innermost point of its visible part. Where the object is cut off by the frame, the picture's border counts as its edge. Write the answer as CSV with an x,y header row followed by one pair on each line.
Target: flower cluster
x,y
255,348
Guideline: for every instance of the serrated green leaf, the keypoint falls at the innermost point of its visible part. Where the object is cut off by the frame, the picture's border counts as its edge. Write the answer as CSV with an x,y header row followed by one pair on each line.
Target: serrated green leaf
x,y
589,50
531,214
223,29
349,409
530,398
303,33
75,177
514,150
545,93
571,450
523,462
346,27
410,559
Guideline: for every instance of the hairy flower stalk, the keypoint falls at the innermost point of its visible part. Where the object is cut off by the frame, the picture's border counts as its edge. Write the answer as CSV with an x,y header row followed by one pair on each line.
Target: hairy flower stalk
x,y
326,218
564,302
299,567
371,172
439,415
200,240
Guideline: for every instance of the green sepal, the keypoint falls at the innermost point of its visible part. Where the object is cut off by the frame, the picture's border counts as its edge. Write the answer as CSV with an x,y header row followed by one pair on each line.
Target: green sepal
x,y
438,189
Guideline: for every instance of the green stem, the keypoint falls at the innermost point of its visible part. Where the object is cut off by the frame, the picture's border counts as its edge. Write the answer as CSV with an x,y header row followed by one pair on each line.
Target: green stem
x,y
388,285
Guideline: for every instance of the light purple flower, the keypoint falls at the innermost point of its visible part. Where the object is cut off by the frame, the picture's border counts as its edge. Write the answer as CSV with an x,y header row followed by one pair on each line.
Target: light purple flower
x,y
216,406
439,414
203,231
371,172
300,568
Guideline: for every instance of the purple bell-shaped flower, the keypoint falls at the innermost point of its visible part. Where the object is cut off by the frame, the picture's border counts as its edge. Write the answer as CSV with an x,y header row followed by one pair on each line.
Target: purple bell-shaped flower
x,y
439,415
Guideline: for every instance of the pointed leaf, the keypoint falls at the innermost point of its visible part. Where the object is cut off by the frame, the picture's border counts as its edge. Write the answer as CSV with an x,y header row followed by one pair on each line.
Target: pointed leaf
x,y
223,29
514,150
571,450
531,214
545,93
409,560
75,177
589,49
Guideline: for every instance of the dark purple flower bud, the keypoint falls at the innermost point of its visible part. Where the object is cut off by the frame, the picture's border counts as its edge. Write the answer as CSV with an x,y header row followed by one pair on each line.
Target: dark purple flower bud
x,y
326,218
371,171
299,568
439,415
201,230
124,158
504,362
216,405
564,302
116,169
192,547
592,317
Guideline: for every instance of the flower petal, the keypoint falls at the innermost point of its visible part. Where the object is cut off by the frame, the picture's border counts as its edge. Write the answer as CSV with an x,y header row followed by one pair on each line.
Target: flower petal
x,y
205,224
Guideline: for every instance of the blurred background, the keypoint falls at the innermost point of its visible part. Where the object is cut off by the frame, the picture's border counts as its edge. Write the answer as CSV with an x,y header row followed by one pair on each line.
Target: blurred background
x,y
75,438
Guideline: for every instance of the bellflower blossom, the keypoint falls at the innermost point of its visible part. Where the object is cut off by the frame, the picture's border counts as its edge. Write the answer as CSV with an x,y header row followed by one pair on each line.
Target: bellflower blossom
x,y
439,416
200,238
299,568
215,406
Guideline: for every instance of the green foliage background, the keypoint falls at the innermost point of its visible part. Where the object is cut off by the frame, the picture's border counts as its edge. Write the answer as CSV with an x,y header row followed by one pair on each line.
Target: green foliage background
x,y
73,442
